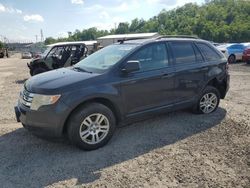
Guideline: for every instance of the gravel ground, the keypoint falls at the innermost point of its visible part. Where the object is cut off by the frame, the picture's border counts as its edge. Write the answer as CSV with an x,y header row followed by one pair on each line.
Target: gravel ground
x,y
177,149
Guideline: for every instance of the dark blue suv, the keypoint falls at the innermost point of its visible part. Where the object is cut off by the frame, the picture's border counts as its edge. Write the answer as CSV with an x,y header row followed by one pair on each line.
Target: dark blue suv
x,y
122,83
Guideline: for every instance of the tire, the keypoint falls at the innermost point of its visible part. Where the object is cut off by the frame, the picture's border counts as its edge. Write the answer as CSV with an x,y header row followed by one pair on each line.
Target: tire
x,y
231,59
83,121
208,101
37,70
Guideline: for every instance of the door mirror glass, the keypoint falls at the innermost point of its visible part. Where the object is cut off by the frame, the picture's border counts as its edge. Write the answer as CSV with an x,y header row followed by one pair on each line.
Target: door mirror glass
x,y
131,66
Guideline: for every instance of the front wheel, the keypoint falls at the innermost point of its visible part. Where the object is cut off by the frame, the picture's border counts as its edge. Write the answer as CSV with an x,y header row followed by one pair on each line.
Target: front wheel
x,y
91,126
208,101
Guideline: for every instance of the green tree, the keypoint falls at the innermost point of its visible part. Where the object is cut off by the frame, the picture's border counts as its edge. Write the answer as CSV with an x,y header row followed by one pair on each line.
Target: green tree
x,y
1,45
216,20
122,28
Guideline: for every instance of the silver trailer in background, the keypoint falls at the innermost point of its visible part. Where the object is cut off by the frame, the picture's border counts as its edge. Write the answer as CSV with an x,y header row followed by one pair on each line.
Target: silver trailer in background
x,y
111,39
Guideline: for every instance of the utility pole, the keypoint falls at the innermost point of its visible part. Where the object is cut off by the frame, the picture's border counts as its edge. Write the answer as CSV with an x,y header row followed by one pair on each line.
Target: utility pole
x,y
36,38
42,39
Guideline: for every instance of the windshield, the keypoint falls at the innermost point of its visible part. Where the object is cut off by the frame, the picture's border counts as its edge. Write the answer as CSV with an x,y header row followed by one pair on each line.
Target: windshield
x,y
105,58
46,51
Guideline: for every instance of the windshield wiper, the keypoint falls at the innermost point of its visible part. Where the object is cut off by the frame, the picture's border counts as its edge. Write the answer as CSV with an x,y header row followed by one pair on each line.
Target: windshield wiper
x,y
79,69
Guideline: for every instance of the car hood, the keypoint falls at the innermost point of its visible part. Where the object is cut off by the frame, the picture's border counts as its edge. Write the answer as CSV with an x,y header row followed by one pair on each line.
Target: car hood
x,y
58,81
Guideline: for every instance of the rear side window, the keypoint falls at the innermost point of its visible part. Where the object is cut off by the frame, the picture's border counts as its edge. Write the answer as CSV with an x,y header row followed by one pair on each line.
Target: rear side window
x,y
183,52
199,57
209,53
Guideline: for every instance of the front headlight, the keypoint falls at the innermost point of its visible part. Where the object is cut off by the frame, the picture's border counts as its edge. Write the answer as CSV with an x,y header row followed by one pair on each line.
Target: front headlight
x,y
41,100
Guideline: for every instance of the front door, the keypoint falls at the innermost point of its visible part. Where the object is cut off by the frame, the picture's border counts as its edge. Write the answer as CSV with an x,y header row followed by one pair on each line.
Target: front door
x,y
152,86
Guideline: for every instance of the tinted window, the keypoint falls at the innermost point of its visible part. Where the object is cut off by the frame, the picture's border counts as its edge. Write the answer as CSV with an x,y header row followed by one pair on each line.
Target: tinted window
x,y
209,53
183,52
151,57
199,57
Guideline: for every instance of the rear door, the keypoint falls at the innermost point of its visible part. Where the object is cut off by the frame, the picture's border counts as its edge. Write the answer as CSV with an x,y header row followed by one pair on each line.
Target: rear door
x,y
190,70
153,85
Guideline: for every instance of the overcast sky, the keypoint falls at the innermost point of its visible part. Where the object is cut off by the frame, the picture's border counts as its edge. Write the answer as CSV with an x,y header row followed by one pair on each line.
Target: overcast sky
x,y
23,19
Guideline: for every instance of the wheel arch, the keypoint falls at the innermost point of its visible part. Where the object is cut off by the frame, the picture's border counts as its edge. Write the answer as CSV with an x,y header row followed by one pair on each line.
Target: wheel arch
x,y
230,56
220,85
40,64
106,102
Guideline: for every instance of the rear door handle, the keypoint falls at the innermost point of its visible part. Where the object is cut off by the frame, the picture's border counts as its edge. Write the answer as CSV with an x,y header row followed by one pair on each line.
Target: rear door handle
x,y
167,75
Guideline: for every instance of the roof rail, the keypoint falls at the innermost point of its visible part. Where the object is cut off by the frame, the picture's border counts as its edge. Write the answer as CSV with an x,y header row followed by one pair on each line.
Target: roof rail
x,y
178,36
121,41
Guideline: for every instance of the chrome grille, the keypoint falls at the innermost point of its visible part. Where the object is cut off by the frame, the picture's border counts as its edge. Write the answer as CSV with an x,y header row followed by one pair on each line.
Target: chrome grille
x,y
26,98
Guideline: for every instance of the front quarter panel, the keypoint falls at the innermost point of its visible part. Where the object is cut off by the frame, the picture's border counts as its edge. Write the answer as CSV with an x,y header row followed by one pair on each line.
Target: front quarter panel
x,y
79,96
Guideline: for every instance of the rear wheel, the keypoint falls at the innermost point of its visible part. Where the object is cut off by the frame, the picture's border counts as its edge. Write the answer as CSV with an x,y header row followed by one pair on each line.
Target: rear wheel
x,y
91,126
208,101
231,59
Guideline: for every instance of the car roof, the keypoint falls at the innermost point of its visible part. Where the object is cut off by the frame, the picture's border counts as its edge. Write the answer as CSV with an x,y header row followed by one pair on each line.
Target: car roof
x,y
87,43
145,41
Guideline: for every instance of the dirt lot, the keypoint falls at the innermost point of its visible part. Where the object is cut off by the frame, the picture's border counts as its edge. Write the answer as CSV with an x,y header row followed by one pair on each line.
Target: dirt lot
x,y
178,149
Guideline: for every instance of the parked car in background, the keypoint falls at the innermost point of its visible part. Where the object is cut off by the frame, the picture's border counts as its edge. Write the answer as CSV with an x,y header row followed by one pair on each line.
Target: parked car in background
x,y
26,55
246,55
233,52
121,83
60,55
36,55
2,52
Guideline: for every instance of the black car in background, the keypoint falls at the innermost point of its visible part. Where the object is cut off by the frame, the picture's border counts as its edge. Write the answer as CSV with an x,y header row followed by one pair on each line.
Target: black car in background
x,y
122,83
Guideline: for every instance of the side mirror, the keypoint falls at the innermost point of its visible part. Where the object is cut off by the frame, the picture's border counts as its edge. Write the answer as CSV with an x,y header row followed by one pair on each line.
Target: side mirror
x,y
131,66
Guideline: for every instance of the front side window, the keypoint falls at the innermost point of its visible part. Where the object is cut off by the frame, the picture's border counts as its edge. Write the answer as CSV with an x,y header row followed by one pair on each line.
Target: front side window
x,y
153,56
183,52
105,58
56,52
208,52
47,50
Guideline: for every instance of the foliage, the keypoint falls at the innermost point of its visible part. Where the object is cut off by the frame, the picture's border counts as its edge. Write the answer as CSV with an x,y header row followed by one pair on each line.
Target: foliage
x,y
216,20
1,45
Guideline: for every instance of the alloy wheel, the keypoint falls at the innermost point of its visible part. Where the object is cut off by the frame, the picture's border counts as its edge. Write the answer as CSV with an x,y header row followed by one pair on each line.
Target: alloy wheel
x,y
94,128
208,103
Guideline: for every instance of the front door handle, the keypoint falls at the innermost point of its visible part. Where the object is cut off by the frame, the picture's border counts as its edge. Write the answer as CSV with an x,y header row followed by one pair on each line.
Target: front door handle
x,y
167,75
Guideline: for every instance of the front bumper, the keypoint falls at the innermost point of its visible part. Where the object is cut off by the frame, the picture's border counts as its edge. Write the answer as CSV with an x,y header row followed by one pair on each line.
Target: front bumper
x,y
47,121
